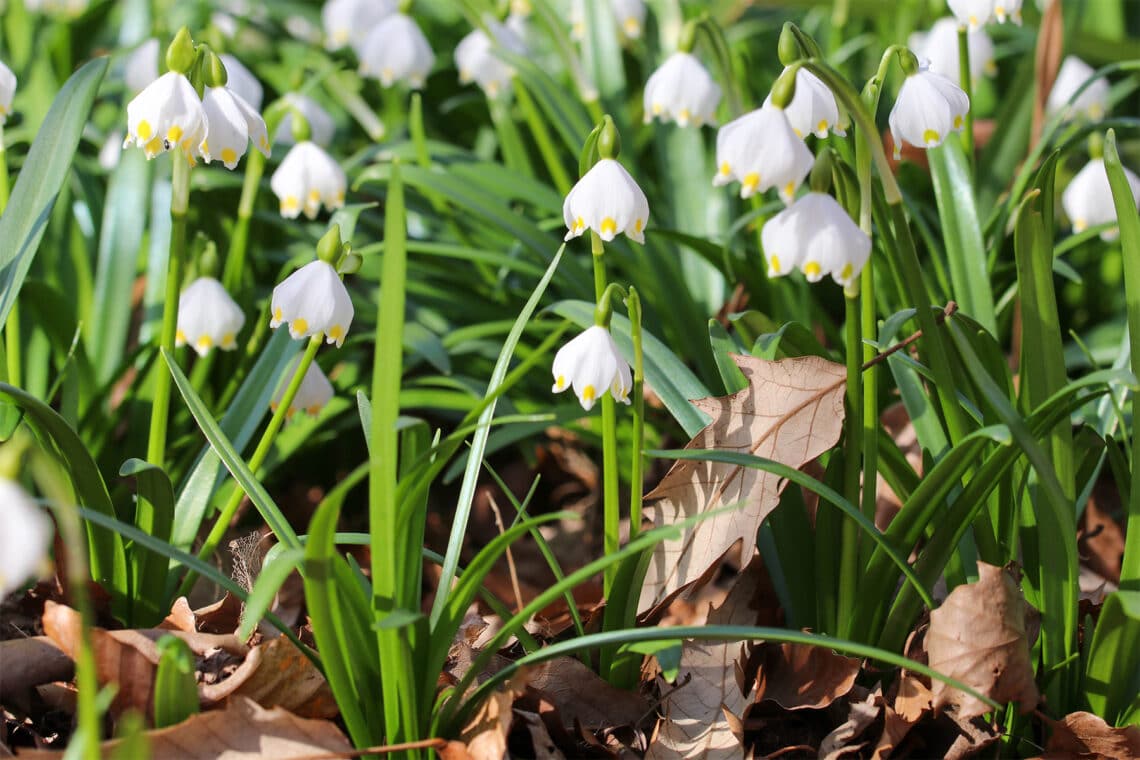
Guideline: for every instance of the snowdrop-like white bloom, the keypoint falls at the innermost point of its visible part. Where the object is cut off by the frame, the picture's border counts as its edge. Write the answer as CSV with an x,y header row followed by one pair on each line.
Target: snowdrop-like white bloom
x,y
972,14
939,47
208,317
813,109
816,235
315,392
313,300
608,201
591,364
25,539
477,62
141,67
929,108
165,115
348,22
1088,198
1010,9
321,124
629,14
396,51
233,124
7,92
761,150
681,90
242,81
1073,73
307,178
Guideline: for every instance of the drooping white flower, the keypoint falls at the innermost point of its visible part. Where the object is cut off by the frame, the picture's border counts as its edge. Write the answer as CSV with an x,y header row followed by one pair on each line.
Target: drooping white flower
x,y
307,178
348,22
477,61
939,46
1010,9
7,92
165,115
208,317
321,124
25,539
761,150
608,201
313,300
681,90
314,393
1088,198
929,107
1093,102
242,81
396,51
813,109
972,14
591,364
815,235
629,14
140,68
233,124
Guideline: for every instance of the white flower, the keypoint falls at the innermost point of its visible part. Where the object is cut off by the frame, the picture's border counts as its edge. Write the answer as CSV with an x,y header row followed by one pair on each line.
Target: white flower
x,y
813,108
476,59
348,22
321,124
141,67
315,391
681,90
165,115
939,47
591,364
313,300
301,28
1088,198
7,92
608,201
25,539
929,108
972,14
1073,73
629,14
816,235
242,81
208,317
396,51
233,123
1008,9
761,150
307,178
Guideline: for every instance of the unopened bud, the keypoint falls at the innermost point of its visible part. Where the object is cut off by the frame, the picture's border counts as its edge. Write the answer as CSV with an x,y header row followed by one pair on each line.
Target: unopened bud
x,y
785,88
328,248
180,55
609,140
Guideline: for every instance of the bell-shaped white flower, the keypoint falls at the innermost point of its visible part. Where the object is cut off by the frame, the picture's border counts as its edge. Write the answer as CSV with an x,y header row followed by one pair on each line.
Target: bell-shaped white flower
x,y
348,22
929,107
396,51
165,115
140,68
1093,101
7,92
477,61
307,178
312,396
1088,198
592,364
25,539
817,236
972,14
681,90
233,124
761,150
608,201
629,14
208,317
242,81
1010,9
939,47
313,300
813,109
321,123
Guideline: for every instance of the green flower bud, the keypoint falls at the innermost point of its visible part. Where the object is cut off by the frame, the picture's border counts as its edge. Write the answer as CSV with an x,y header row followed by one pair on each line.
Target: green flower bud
x,y
796,45
181,54
609,141
300,124
908,62
214,70
785,88
688,39
329,246
351,264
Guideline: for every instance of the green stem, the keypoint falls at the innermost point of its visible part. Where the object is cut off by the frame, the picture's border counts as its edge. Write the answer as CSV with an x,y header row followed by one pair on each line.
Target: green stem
x,y
550,155
610,495
966,83
12,346
852,464
239,242
636,464
340,86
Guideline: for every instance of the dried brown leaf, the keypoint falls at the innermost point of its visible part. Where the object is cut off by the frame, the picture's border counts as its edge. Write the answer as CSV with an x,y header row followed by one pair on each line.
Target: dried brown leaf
x,y
541,741
797,676
486,735
978,637
1047,61
579,694
861,715
1083,734
791,412
29,662
277,674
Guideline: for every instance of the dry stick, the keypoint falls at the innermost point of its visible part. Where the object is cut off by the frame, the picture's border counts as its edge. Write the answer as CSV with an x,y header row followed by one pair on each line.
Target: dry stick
x,y
510,557
948,311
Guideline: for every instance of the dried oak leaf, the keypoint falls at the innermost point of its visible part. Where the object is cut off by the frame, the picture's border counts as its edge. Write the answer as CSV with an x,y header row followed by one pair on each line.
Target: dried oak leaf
x,y
581,695
861,714
485,737
798,676
791,412
978,637
1083,734
277,674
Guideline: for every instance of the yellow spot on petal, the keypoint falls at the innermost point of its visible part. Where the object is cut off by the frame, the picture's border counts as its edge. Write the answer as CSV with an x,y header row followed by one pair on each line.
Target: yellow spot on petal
x,y
774,262
145,130
684,115
958,122
609,226
290,203
798,133
336,332
812,269
589,393
560,383
277,315
751,181
1080,225
340,196
638,225
174,134
298,326
205,342
205,147
973,20
930,137
822,126
725,169
579,223
179,338
228,341
153,148
314,196
790,189
658,109
846,272
999,11
229,155
313,409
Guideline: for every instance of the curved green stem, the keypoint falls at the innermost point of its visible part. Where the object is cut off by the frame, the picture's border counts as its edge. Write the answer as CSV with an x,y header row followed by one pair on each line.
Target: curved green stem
x,y
610,494
636,463
239,241
966,83
852,462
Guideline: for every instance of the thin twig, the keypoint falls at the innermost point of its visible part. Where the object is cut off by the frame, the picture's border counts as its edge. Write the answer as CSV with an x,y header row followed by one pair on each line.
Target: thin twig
x,y
510,557
948,311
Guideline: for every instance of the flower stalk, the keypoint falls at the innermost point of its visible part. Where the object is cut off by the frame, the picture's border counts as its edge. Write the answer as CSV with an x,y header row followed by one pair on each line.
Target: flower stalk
x,y
965,81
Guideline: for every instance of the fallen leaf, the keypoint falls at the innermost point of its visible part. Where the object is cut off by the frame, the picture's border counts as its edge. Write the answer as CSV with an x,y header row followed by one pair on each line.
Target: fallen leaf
x,y
895,729
485,736
861,714
1101,541
242,731
27,663
978,637
791,412
914,698
277,674
543,744
581,695
798,676
1083,734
